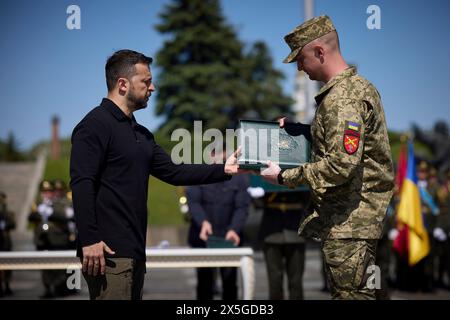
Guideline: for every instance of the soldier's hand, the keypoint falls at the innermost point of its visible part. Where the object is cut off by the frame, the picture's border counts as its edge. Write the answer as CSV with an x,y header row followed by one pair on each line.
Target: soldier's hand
x,y
233,236
270,173
206,230
94,258
283,121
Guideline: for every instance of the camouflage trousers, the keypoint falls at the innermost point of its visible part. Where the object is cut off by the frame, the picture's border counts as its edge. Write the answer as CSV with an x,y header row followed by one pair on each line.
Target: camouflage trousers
x,y
346,265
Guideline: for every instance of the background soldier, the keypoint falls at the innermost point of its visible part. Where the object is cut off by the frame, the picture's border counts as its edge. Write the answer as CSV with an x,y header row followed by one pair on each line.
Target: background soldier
x,y
7,223
62,205
384,250
442,234
284,250
439,143
424,269
51,233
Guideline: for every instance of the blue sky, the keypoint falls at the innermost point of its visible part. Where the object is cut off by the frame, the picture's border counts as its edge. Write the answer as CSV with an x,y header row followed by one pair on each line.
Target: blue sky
x,y
48,69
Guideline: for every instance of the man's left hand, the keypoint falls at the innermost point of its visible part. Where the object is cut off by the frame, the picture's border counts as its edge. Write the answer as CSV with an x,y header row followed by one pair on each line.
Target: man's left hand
x,y
270,173
233,236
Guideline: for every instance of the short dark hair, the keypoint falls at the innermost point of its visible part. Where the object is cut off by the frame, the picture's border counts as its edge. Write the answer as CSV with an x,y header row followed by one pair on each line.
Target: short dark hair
x,y
122,65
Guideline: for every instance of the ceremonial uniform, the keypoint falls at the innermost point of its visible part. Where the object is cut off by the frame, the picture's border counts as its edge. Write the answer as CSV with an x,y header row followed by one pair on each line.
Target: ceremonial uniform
x,y
284,250
50,220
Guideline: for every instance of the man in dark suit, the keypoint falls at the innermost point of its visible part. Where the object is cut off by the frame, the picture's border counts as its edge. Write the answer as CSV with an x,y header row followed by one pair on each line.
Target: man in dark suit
x,y
218,209
111,160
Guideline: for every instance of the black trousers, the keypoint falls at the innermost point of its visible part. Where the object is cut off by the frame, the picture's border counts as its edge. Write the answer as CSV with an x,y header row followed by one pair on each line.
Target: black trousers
x,y
285,258
205,283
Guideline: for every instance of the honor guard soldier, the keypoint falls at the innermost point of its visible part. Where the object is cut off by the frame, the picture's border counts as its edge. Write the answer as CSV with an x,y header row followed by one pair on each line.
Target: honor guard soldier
x,y
284,250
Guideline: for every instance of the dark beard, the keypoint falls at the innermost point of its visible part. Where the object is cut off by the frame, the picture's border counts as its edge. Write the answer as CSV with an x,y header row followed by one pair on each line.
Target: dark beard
x,y
135,102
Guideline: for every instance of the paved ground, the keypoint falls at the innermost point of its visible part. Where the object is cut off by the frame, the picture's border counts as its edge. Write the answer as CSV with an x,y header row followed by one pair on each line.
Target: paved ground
x,y
179,284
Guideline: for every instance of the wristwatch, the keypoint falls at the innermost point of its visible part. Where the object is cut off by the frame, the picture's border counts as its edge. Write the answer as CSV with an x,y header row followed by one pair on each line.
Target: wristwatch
x,y
280,177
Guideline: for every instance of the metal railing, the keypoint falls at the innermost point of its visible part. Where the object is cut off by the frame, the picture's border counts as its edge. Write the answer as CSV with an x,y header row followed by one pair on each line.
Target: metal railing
x,y
156,258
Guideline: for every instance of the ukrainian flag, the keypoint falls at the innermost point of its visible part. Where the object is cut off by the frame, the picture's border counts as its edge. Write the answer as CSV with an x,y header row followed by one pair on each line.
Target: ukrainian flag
x,y
409,213
353,126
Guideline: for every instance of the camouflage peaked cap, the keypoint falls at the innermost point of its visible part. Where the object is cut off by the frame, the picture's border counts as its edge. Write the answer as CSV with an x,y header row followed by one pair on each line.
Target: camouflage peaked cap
x,y
305,33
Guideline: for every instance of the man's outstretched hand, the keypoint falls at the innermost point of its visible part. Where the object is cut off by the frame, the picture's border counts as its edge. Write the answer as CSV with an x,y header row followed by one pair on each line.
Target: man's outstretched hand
x,y
232,166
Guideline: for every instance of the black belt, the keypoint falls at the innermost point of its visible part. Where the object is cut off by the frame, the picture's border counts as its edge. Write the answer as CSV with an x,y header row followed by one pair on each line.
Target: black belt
x,y
284,206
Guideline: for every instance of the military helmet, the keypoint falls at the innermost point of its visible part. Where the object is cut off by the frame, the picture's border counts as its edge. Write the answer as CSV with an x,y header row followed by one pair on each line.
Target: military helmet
x,y
423,166
433,172
46,186
60,185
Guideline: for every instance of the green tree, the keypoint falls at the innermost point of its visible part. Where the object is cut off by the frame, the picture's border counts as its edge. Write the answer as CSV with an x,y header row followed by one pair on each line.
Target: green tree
x,y
205,73
267,99
9,150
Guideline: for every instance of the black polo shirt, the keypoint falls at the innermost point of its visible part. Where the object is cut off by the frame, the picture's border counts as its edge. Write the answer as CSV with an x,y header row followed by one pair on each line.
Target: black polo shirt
x,y
111,160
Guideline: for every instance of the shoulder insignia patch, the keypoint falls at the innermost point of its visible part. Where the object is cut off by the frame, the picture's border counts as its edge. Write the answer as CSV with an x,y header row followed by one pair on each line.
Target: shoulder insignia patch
x,y
352,136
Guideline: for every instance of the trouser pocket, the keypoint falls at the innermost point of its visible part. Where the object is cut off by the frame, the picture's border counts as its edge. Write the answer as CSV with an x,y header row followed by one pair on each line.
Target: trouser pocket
x,y
115,284
347,262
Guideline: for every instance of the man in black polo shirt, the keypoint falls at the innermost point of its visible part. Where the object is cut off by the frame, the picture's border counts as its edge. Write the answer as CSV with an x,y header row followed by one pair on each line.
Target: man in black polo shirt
x,y
111,160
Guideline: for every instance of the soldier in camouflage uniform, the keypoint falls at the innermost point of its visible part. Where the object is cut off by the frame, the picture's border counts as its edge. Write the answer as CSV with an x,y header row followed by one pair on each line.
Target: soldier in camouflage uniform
x,y
351,171
442,232
7,223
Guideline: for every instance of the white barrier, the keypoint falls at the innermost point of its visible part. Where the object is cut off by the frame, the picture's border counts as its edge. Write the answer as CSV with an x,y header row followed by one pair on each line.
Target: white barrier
x,y
156,258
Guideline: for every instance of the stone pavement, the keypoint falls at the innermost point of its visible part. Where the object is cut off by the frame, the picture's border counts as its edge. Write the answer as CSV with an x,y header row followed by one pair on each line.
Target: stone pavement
x,y
179,284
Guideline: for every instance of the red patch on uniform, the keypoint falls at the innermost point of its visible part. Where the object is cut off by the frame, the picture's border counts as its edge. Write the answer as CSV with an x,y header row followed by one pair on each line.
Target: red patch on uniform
x,y
351,141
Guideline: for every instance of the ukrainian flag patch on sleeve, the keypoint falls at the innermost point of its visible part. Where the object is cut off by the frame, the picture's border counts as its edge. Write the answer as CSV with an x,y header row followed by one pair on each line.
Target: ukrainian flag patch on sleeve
x,y
352,135
352,126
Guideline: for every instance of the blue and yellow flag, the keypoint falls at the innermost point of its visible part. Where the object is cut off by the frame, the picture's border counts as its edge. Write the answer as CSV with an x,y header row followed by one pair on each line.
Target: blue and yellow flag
x,y
410,214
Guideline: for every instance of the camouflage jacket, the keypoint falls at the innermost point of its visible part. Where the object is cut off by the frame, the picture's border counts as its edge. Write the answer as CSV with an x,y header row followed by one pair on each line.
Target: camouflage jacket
x,y
351,171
